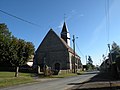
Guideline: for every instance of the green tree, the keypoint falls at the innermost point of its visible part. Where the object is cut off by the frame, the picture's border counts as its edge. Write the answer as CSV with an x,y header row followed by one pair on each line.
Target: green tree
x,y
21,53
90,63
115,47
115,52
5,39
90,60
29,50
13,51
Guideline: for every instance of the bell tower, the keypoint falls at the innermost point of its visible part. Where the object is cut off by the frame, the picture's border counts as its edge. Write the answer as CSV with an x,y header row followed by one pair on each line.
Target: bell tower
x,y
65,34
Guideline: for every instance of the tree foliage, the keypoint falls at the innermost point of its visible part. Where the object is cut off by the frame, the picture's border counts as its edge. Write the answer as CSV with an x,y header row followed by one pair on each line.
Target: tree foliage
x,y
13,51
115,52
90,65
90,60
5,39
21,52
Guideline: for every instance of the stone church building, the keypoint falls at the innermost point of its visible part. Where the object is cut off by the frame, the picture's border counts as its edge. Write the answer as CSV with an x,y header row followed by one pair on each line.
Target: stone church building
x,y
55,52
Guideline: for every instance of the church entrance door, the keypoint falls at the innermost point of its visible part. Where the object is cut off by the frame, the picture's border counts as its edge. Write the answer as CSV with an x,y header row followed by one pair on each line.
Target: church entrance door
x,y
57,66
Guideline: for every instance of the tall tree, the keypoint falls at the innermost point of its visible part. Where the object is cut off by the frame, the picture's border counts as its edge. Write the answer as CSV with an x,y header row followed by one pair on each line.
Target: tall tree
x,y
21,53
14,51
90,60
90,63
5,39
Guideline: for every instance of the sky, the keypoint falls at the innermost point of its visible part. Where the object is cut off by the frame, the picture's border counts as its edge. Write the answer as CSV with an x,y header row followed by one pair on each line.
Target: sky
x,y
95,22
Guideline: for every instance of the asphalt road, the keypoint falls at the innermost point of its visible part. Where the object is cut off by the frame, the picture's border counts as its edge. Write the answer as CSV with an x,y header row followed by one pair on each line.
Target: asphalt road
x,y
57,84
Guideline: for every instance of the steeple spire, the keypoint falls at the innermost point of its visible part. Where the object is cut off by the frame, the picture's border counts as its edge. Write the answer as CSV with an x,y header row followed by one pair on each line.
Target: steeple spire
x,y
64,29
65,34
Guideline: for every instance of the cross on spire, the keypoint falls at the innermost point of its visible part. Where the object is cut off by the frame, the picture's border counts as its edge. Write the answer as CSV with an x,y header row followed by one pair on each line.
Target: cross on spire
x,y
64,17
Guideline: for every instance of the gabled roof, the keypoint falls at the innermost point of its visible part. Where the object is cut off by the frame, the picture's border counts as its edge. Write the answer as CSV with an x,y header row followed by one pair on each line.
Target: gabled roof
x,y
63,42
48,36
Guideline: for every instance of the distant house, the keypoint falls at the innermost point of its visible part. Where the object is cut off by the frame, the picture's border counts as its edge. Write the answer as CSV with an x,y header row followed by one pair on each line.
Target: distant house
x,y
30,62
56,53
28,66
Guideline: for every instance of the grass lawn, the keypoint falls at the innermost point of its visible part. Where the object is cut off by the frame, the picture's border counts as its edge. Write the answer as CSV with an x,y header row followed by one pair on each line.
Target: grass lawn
x,y
8,79
63,75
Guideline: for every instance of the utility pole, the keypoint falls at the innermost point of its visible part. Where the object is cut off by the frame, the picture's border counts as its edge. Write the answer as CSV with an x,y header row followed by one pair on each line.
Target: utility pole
x,y
74,50
86,59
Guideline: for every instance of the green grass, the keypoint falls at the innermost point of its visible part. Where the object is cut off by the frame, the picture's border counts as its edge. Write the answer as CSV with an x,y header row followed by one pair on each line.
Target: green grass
x,y
80,72
8,79
63,75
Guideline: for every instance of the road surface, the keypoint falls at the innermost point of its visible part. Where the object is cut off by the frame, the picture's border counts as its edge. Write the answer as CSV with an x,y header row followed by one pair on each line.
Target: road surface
x,y
57,84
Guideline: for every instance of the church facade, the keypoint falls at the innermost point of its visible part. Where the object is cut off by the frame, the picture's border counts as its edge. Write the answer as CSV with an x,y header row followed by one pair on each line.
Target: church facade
x,y
56,53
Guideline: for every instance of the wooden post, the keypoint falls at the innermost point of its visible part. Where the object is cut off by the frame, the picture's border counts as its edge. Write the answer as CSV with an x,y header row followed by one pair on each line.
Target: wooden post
x,y
74,51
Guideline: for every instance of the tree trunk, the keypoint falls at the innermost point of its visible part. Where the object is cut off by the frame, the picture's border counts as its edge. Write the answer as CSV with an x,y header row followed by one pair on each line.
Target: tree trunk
x,y
17,70
38,69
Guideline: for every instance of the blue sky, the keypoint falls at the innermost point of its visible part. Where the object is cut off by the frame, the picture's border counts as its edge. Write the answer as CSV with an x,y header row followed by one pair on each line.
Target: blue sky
x,y
86,19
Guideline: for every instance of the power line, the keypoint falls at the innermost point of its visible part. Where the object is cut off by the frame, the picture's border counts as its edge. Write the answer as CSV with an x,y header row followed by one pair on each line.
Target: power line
x,y
107,19
79,50
108,28
19,18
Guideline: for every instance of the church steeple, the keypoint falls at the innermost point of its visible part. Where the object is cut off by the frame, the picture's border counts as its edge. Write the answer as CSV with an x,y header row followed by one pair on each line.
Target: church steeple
x,y
65,34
